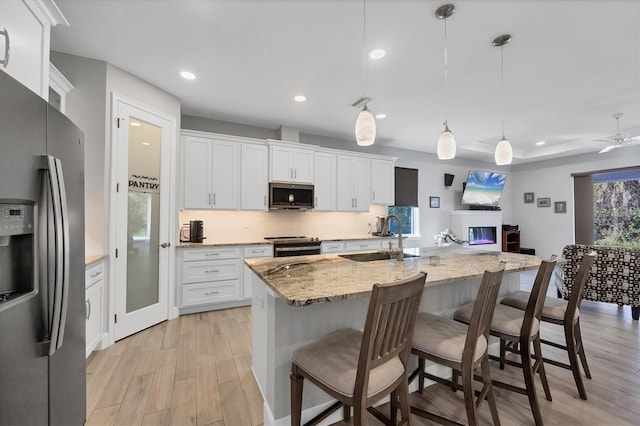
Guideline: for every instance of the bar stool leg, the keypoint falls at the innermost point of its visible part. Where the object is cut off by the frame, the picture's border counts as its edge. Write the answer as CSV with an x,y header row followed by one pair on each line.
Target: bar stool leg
x,y
469,396
525,354
491,400
583,357
421,365
573,358
537,347
296,398
403,394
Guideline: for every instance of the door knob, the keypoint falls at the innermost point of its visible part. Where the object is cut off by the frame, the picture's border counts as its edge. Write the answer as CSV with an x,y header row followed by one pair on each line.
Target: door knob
x,y
165,245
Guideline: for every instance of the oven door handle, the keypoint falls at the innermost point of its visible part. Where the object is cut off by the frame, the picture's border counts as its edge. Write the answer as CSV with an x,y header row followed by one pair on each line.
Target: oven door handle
x,y
298,248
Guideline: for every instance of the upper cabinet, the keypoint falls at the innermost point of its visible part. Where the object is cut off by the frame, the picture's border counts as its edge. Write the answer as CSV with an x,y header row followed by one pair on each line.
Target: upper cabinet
x,y
254,181
210,173
291,162
382,182
325,179
354,183
25,28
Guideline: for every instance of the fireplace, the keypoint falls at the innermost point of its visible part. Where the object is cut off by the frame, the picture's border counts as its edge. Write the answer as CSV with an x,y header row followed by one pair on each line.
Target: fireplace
x,y
482,235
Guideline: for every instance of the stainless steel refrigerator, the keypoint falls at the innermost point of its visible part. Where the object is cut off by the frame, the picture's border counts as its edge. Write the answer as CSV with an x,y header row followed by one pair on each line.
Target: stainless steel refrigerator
x,y
42,304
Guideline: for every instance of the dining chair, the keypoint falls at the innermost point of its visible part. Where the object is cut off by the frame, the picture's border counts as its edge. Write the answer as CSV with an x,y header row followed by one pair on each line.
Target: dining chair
x,y
517,331
566,314
359,368
460,347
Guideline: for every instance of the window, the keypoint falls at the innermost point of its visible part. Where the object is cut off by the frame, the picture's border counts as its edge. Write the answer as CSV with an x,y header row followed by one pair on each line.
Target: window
x,y
409,218
616,208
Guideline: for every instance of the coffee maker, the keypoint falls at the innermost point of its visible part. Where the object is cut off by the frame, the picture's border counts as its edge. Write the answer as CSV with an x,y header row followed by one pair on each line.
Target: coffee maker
x,y
382,226
192,232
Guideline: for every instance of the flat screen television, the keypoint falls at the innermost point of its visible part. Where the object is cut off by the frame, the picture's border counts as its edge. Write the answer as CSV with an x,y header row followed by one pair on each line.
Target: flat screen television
x,y
483,188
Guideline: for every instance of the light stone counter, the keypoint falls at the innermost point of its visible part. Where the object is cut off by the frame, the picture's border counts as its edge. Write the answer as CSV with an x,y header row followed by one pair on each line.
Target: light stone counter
x,y
305,280
297,300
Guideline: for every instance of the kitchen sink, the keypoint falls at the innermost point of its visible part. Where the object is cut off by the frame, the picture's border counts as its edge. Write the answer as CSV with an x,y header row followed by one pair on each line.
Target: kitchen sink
x,y
370,257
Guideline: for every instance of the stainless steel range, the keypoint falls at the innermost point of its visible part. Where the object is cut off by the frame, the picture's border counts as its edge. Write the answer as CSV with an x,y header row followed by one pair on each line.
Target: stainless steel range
x,y
294,246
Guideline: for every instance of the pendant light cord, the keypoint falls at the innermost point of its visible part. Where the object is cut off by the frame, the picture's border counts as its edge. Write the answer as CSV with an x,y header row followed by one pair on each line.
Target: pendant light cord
x,y
502,84
364,48
446,77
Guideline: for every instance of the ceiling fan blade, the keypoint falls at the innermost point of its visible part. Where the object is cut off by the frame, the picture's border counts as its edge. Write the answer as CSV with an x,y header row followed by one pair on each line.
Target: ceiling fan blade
x,y
608,148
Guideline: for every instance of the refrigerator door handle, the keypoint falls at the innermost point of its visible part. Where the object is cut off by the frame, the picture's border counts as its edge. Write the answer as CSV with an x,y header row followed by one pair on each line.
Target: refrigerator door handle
x,y
61,252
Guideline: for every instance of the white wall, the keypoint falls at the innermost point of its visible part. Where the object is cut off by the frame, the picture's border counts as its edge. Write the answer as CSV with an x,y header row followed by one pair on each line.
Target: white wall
x,y
540,228
85,106
89,106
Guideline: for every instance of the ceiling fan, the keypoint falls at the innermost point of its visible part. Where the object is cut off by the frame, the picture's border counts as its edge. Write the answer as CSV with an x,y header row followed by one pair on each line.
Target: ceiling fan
x,y
618,140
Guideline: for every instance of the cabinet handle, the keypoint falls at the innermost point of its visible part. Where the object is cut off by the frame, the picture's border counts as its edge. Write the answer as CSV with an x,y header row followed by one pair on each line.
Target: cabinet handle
x,y
265,200
210,199
316,204
374,195
211,271
212,254
87,309
356,202
214,198
211,292
5,62
94,275
295,173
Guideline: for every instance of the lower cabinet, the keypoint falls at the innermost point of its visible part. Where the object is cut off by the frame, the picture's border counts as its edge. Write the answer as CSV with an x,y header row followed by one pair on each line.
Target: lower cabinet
x,y
350,245
94,300
212,278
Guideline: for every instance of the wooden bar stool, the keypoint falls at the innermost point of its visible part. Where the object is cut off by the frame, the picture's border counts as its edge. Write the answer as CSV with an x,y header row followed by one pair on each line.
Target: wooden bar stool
x,y
463,348
360,368
566,314
517,328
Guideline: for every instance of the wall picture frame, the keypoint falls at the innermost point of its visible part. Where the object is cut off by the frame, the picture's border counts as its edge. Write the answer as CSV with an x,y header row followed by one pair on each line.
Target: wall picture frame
x,y
434,202
544,202
529,197
560,207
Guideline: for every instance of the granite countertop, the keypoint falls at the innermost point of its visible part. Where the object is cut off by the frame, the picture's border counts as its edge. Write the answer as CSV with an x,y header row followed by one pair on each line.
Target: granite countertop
x,y
88,260
305,280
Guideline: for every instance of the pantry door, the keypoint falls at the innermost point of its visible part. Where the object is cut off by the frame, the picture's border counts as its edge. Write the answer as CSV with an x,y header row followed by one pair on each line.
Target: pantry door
x,y
142,210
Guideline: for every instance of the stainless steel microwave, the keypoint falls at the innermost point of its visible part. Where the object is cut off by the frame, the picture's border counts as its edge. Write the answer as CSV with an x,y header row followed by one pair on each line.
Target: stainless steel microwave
x,y
290,196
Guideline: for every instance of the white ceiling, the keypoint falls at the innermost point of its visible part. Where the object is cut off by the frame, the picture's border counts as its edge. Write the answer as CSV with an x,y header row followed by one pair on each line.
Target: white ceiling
x,y
570,66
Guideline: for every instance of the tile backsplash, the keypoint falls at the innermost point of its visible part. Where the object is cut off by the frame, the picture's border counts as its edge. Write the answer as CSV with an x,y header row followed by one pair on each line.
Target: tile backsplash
x,y
247,226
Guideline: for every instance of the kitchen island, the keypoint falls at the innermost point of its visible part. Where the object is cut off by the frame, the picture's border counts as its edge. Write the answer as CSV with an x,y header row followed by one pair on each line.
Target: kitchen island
x,y
297,300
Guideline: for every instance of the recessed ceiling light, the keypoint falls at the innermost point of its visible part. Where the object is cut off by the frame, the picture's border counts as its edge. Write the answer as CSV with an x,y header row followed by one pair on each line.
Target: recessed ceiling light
x,y
381,116
135,124
188,75
300,98
540,143
377,54
146,143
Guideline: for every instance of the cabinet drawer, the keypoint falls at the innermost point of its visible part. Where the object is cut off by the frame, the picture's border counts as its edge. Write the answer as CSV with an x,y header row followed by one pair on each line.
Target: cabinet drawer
x,y
336,247
205,293
94,274
258,251
210,270
363,245
211,254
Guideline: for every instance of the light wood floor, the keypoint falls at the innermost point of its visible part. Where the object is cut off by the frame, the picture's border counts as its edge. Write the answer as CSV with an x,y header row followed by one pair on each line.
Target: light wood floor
x,y
195,370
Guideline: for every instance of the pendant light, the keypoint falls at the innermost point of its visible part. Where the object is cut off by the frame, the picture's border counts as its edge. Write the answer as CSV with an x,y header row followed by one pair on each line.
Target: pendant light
x,y
366,123
504,152
446,148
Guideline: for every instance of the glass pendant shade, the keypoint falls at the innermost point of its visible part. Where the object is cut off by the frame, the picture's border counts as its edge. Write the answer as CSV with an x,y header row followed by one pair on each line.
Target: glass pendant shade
x,y
365,128
446,145
504,152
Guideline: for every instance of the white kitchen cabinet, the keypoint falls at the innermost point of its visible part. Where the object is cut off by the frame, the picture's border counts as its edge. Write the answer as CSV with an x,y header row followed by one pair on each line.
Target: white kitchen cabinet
x,y
253,252
332,247
216,277
363,245
210,173
254,177
94,299
28,27
354,183
382,182
325,178
289,163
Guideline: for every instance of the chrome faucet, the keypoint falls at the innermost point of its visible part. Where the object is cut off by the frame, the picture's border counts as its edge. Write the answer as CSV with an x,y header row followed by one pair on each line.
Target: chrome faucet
x,y
399,253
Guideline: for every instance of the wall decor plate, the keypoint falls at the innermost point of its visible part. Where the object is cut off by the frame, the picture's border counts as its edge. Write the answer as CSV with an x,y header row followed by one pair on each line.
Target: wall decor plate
x,y
529,198
544,202
560,207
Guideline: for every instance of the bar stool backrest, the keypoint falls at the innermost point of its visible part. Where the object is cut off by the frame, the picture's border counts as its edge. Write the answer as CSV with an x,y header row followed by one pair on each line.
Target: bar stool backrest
x,y
538,293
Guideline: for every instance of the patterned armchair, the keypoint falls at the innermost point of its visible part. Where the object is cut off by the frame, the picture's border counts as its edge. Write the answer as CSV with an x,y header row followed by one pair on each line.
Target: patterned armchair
x,y
614,277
